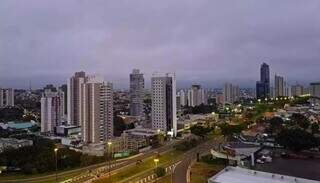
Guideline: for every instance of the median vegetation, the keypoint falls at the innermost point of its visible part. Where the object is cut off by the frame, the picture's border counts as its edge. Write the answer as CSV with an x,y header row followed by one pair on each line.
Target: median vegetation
x,y
40,157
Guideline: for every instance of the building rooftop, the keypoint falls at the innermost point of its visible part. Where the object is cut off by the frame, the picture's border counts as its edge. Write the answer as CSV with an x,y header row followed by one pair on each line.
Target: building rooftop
x,y
242,175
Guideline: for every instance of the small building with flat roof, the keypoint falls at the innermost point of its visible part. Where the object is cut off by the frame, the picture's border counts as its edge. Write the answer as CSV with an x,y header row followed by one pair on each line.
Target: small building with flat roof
x,y
242,175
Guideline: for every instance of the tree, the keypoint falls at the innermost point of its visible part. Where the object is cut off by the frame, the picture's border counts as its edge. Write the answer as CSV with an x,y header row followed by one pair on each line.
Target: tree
x,y
120,126
296,139
228,130
11,114
314,128
300,120
160,171
199,130
275,124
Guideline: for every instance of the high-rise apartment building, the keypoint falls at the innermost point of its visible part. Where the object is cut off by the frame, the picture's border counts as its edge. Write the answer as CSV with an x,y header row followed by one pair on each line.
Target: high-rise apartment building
x,y
183,98
64,89
96,110
136,93
315,90
163,101
297,90
1,97
196,96
287,90
279,86
51,110
263,86
9,96
73,96
231,93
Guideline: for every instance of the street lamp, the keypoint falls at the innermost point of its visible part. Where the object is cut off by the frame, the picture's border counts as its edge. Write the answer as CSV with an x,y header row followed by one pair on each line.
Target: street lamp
x,y
109,154
156,161
56,158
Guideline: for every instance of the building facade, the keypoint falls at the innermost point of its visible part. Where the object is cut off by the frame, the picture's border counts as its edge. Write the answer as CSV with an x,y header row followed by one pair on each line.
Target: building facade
x,y
9,97
183,98
1,97
64,89
279,86
51,110
163,101
231,93
136,93
315,92
297,90
263,86
96,111
196,96
73,95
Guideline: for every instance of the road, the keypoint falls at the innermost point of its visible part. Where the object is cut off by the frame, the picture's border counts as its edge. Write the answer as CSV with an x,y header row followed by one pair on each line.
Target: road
x,y
181,170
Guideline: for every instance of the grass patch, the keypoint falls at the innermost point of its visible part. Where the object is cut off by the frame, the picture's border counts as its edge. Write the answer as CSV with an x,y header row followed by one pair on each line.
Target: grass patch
x,y
201,171
147,164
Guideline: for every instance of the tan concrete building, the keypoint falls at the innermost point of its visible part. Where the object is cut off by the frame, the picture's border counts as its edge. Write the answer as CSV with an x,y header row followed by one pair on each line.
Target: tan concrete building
x,y
96,110
74,95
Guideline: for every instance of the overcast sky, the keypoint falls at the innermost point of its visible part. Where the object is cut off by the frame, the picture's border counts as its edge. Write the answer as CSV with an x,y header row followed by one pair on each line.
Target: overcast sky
x,y
203,41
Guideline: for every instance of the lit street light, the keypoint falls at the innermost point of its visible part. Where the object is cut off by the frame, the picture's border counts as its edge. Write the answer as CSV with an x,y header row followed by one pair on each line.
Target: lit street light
x,y
109,154
156,161
56,158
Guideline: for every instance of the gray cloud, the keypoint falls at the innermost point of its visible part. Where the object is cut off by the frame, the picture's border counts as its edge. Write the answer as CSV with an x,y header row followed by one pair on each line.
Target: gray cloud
x,y
205,41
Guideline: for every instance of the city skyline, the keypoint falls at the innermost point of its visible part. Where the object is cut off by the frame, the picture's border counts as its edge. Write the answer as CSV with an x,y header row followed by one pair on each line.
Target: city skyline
x,y
205,42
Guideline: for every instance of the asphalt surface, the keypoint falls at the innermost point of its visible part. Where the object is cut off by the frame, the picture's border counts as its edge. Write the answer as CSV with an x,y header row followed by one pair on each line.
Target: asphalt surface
x,y
181,170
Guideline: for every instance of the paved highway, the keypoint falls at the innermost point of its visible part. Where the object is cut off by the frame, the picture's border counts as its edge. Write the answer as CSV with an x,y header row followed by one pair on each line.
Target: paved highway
x,y
181,171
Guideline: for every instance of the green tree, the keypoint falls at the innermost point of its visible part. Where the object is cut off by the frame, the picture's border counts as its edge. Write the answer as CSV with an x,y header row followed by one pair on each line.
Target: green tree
x,y
199,130
296,139
300,120
314,128
229,130
275,125
160,171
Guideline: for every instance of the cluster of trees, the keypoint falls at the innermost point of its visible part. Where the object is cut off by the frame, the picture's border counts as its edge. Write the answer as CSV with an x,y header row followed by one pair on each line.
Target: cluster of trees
x,y
228,130
201,109
119,126
200,130
297,139
296,134
10,114
160,171
31,104
40,157
186,145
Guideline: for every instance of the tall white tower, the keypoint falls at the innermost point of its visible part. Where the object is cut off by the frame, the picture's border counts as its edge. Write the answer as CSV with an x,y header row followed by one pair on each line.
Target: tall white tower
x,y
163,99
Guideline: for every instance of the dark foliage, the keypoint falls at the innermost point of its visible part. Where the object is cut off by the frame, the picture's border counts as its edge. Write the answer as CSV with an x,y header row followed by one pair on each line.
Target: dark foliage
x,y
296,139
201,109
186,145
40,157
200,130
160,171
120,126
10,114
